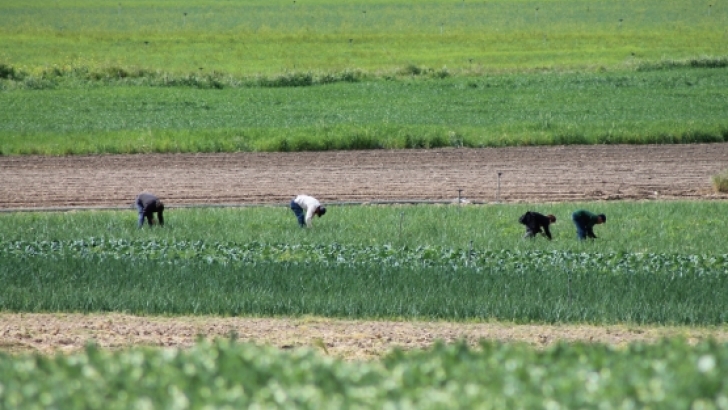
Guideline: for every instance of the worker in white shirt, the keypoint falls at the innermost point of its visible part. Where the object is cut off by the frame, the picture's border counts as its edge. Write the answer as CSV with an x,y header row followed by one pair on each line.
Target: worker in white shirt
x,y
312,207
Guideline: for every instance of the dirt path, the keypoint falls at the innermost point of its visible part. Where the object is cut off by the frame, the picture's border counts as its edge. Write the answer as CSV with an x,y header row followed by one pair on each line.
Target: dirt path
x,y
354,340
529,174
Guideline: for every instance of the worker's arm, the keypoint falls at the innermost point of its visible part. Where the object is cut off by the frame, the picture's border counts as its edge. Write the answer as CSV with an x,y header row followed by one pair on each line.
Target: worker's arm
x,y
309,216
546,231
590,232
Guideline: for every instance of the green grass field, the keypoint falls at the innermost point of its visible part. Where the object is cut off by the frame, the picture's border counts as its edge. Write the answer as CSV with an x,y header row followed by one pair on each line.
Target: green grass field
x,y
81,77
250,37
674,106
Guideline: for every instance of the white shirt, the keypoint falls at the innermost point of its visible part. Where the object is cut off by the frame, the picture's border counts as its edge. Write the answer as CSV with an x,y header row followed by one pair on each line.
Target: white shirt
x,y
308,203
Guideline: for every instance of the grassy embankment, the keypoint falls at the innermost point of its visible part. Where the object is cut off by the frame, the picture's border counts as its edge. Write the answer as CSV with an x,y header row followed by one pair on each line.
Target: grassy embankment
x,y
83,77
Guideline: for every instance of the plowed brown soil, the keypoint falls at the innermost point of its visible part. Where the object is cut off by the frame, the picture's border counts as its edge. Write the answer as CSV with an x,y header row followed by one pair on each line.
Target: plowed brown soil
x,y
49,333
528,174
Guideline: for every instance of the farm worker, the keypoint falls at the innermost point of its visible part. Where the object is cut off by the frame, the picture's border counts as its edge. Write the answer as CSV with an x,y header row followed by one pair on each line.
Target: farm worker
x,y
147,204
585,221
312,207
534,221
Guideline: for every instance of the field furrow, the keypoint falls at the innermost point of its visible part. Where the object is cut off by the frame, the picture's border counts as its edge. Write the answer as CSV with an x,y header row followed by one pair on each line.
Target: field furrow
x,y
528,174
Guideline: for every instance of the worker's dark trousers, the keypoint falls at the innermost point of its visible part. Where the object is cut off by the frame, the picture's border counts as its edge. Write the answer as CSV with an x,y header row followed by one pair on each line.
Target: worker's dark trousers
x,y
580,229
299,213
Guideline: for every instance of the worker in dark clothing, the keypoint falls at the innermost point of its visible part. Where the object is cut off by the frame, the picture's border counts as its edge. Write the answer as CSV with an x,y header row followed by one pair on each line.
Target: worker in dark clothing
x,y
147,204
534,221
585,221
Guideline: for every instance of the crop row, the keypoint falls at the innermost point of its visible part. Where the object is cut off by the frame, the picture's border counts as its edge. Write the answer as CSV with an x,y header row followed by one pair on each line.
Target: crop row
x,y
689,227
368,282
670,374
326,254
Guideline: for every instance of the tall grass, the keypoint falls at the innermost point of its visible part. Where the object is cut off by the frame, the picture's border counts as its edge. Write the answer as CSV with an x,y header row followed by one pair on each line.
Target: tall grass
x,y
386,74
651,227
520,292
663,106
720,182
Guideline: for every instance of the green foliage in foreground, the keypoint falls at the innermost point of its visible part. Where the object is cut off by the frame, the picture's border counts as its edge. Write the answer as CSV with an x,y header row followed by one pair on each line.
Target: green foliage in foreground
x,y
666,106
149,278
668,375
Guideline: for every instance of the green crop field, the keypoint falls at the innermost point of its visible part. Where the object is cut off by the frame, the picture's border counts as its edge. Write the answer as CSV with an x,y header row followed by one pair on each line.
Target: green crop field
x,y
669,375
653,227
82,77
249,37
653,263
684,105
142,76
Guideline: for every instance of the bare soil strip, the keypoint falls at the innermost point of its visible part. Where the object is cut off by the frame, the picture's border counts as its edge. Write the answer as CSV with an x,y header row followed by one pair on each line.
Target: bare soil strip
x,y
349,339
528,174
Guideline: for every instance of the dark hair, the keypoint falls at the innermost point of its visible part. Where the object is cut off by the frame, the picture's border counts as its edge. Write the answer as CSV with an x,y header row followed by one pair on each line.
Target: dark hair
x,y
604,217
322,211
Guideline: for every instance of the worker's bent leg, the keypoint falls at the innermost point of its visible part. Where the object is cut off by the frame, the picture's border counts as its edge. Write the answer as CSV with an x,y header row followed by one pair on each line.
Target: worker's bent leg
x,y
140,221
580,229
298,211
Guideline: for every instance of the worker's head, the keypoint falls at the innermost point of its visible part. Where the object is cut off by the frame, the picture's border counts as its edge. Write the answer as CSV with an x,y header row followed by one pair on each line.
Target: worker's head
x,y
601,218
320,211
551,218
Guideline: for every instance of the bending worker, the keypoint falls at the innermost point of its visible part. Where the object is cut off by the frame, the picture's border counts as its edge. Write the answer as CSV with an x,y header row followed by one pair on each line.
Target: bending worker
x,y
312,207
585,221
147,204
534,221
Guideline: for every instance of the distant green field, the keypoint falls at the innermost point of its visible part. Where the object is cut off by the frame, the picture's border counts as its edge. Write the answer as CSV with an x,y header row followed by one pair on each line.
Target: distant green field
x,y
664,106
87,77
251,37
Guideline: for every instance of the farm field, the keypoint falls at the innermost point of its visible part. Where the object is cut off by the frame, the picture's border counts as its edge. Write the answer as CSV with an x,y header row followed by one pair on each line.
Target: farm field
x,y
529,175
247,38
390,113
681,105
643,281
50,260
656,262
89,78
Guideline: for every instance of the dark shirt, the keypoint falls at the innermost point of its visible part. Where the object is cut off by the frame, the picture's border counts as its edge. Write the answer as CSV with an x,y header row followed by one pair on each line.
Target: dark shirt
x,y
586,220
534,221
148,204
